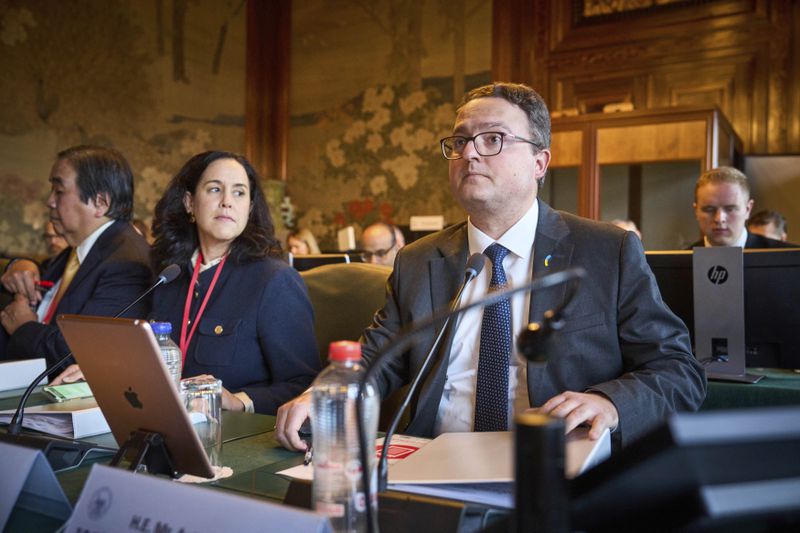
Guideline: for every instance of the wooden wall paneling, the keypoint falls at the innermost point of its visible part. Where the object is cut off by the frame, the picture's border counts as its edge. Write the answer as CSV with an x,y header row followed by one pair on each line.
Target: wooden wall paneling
x,y
668,141
536,20
741,114
515,41
759,101
566,148
793,104
589,179
267,87
778,77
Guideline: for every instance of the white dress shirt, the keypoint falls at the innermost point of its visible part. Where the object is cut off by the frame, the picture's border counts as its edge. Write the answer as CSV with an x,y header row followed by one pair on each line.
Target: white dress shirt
x,y
457,406
81,251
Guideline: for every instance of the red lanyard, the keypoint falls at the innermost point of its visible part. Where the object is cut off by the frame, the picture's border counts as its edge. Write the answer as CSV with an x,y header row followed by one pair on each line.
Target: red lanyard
x,y
185,340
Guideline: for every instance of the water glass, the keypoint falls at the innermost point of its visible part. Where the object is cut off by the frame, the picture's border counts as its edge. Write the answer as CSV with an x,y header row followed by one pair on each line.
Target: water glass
x,y
202,397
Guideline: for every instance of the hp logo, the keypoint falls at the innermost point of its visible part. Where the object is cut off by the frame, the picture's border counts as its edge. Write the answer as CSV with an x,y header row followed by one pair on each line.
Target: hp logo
x,y
717,275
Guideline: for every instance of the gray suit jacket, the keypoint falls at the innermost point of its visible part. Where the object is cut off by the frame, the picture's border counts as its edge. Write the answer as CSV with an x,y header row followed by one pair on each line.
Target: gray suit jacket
x,y
620,339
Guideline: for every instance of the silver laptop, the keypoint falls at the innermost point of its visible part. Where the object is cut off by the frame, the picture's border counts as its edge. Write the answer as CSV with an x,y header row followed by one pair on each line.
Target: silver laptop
x,y
122,363
718,275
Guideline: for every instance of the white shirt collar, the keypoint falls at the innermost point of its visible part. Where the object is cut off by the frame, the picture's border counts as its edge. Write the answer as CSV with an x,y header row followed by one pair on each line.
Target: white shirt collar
x,y
204,266
740,242
518,238
85,247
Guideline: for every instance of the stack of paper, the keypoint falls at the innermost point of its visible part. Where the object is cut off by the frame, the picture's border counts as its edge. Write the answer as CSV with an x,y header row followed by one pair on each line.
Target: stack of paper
x,y
472,467
19,374
479,467
74,419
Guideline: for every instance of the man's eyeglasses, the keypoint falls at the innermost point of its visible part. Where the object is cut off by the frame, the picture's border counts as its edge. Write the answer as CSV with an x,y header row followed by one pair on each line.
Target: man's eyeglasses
x,y
380,254
487,143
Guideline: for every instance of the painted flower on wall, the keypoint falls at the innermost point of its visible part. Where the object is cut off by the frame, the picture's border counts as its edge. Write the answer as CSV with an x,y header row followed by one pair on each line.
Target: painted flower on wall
x,y
387,157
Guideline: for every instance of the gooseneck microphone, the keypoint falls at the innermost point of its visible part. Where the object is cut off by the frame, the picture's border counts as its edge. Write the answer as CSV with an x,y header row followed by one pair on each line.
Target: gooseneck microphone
x,y
15,426
409,334
474,266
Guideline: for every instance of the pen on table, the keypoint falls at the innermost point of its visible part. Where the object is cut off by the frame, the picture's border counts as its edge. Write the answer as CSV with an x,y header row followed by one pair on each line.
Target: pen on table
x,y
305,434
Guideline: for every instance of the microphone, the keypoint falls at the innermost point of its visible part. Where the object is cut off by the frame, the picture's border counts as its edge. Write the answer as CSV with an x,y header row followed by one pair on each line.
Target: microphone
x,y
475,264
406,336
533,341
15,426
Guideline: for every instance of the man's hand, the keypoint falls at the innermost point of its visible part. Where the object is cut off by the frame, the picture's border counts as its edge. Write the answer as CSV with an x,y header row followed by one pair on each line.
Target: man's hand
x,y
21,278
291,416
577,408
70,375
16,314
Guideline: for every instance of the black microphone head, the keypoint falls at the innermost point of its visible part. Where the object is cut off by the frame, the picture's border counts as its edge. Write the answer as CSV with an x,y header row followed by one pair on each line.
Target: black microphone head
x,y
475,264
169,273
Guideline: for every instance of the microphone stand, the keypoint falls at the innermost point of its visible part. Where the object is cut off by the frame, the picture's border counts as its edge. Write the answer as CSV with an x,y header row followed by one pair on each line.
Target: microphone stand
x,y
383,463
67,447
404,339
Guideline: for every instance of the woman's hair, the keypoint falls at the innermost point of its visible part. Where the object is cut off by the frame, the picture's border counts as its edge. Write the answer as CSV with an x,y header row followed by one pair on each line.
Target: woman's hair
x,y
302,234
176,235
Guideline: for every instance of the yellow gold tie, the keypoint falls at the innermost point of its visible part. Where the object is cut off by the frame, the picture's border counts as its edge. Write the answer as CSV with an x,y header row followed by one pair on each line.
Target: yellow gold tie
x,y
69,272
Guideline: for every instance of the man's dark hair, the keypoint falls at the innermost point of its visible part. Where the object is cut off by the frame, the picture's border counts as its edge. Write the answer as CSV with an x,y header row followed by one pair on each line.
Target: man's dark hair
x,y
102,171
764,217
176,235
523,97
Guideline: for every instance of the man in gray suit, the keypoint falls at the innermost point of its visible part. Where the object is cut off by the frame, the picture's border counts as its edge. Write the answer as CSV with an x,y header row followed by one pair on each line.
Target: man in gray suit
x,y
623,362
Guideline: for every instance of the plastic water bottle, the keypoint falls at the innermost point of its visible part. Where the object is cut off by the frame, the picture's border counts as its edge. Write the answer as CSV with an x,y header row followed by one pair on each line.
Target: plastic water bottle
x,y
337,490
169,351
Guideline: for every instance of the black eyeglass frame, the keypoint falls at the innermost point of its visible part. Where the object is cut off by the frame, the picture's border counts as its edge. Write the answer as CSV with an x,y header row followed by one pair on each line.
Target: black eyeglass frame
x,y
502,135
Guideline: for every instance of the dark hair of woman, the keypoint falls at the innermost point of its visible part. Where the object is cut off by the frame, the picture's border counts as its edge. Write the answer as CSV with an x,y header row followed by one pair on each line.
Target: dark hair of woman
x,y
176,235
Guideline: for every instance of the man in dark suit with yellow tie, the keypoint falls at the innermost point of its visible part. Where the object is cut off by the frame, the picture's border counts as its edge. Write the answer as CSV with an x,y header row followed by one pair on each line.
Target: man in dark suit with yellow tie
x,y
105,267
623,361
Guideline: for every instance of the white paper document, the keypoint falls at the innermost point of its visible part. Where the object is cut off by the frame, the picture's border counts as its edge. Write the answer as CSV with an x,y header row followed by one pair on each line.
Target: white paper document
x,y
19,374
73,419
473,467
401,447
479,467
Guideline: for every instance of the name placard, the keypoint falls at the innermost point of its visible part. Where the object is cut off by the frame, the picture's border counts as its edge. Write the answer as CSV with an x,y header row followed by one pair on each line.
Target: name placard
x,y
118,500
29,483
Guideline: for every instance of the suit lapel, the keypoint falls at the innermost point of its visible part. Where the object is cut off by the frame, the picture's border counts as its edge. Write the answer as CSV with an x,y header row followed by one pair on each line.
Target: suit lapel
x,y
55,269
445,274
95,256
552,252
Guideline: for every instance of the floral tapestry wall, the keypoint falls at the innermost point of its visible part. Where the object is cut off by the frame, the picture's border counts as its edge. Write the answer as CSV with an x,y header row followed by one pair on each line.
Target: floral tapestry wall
x,y
374,87
159,80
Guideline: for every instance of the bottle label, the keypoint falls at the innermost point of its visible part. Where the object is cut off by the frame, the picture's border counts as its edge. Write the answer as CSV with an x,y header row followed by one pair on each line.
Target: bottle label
x,y
353,470
360,502
330,509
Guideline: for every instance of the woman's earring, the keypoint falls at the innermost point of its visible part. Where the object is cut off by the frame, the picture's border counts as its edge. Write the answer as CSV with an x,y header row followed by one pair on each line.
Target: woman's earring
x,y
191,217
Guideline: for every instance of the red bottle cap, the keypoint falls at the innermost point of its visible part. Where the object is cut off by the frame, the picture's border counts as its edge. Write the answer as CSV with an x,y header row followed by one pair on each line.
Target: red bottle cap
x,y
344,351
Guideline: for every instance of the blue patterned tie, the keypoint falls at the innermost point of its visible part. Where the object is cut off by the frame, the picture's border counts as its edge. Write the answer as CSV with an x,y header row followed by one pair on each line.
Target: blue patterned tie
x,y
491,392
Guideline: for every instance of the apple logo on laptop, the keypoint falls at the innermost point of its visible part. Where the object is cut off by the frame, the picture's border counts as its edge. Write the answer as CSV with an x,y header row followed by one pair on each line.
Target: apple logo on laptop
x,y
133,398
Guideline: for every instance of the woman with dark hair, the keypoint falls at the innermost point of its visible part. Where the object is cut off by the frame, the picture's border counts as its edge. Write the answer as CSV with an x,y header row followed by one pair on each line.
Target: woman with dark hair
x,y
238,311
